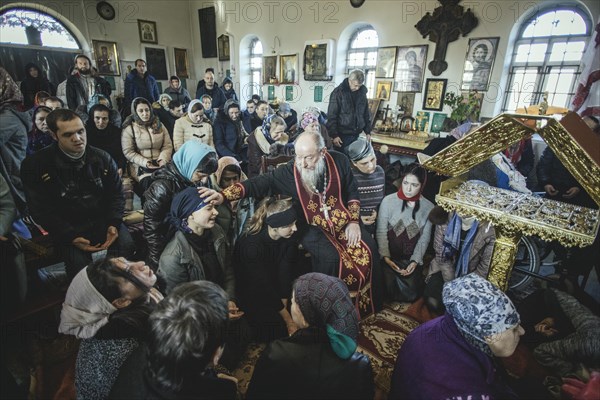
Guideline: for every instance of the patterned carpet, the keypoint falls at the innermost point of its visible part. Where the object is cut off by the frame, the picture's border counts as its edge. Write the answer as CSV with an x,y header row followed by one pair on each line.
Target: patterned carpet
x,y
381,336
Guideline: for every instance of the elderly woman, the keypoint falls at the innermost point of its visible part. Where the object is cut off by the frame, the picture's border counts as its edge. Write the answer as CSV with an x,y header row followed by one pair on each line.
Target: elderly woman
x,y
260,141
107,305
403,234
452,356
370,180
146,144
319,361
193,125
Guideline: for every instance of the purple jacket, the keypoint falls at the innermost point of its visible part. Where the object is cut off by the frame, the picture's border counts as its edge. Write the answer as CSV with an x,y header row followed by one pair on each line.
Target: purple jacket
x,y
436,362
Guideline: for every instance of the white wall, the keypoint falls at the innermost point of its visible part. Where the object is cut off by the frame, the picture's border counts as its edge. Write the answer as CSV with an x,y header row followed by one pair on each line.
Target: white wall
x,y
295,22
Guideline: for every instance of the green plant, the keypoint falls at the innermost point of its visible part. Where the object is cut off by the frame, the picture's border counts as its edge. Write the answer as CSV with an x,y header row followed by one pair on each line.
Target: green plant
x,y
463,108
27,18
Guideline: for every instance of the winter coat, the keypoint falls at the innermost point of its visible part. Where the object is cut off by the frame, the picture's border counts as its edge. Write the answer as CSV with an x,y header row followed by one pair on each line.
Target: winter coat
x,y
185,130
76,93
344,118
132,90
229,136
14,126
30,85
216,93
229,94
142,144
182,95
179,262
167,182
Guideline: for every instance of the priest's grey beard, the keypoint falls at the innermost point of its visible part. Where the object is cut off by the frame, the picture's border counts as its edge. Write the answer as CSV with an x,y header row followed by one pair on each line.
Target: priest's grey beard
x,y
310,178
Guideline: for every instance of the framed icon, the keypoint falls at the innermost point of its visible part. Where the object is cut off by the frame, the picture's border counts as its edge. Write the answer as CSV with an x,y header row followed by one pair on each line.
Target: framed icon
x,y
224,54
410,66
270,70
479,61
106,57
288,68
386,61
435,91
182,66
147,31
384,89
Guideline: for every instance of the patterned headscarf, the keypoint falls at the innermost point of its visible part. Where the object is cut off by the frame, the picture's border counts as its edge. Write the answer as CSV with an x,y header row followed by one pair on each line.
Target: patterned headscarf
x,y
9,90
325,302
307,119
479,309
266,127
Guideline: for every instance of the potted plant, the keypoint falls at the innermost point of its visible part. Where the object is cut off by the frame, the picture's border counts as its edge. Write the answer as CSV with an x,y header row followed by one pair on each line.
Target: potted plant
x,y
463,109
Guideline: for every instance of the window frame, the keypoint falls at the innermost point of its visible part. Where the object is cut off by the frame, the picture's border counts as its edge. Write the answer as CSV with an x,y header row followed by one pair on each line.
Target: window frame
x,y
255,85
546,69
368,70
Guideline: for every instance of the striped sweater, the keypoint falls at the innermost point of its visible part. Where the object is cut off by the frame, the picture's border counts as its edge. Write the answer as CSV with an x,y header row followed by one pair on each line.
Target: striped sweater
x,y
371,189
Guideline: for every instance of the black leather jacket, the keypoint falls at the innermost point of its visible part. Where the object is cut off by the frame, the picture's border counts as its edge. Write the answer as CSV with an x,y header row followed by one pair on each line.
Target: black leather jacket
x,y
72,198
167,182
344,117
304,366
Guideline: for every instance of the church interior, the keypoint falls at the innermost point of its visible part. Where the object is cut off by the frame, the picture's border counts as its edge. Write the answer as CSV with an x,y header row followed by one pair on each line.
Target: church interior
x,y
373,194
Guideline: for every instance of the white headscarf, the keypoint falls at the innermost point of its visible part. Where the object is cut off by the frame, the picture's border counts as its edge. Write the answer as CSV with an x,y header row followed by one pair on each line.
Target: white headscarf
x,y
85,310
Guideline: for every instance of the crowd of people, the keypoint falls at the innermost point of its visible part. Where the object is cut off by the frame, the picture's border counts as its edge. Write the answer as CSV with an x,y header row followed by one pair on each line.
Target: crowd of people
x,y
224,240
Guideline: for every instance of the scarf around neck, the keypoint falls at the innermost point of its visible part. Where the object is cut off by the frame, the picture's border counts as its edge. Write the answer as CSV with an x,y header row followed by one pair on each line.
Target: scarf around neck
x,y
452,244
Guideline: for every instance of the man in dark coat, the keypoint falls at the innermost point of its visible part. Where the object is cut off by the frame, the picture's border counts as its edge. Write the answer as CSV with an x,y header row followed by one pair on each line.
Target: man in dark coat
x,y
34,82
212,89
348,112
74,191
228,133
84,83
139,83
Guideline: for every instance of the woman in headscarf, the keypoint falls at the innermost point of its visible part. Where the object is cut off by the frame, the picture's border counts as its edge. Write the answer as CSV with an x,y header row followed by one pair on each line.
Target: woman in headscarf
x,y
264,262
403,235
107,305
35,81
462,246
39,136
370,180
200,251
193,125
319,361
233,215
260,141
311,120
101,133
228,89
454,356
146,144
191,166
114,117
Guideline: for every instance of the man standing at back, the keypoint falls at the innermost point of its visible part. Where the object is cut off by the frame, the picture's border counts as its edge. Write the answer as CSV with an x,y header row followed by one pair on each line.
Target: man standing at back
x,y
212,89
348,114
74,191
139,83
83,84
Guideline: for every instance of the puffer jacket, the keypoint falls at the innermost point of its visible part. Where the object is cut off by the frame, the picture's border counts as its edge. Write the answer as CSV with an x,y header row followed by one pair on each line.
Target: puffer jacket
x,y
168,181
345,117
185,130
180,263
142,144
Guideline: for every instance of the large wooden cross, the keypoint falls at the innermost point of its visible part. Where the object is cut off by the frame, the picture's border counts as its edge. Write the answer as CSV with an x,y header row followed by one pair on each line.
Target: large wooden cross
x,y
443,27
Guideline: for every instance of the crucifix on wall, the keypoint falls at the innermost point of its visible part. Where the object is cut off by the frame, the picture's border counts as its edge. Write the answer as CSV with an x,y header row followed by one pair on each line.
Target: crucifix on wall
x,y
444,26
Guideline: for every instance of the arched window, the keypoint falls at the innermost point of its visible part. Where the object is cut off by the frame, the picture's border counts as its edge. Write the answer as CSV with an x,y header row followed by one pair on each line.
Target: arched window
x,y
546,58
29,27
362,54
256,52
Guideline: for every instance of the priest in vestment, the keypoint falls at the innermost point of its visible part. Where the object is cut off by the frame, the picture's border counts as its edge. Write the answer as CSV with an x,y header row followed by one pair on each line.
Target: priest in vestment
x,y
324,191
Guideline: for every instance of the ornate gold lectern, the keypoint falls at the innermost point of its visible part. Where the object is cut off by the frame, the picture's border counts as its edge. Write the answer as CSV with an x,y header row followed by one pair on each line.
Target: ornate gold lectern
x,y
514,214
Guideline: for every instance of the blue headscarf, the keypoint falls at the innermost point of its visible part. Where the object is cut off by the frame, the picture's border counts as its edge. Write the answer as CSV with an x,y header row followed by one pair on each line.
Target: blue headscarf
x,y
452,244
188,157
